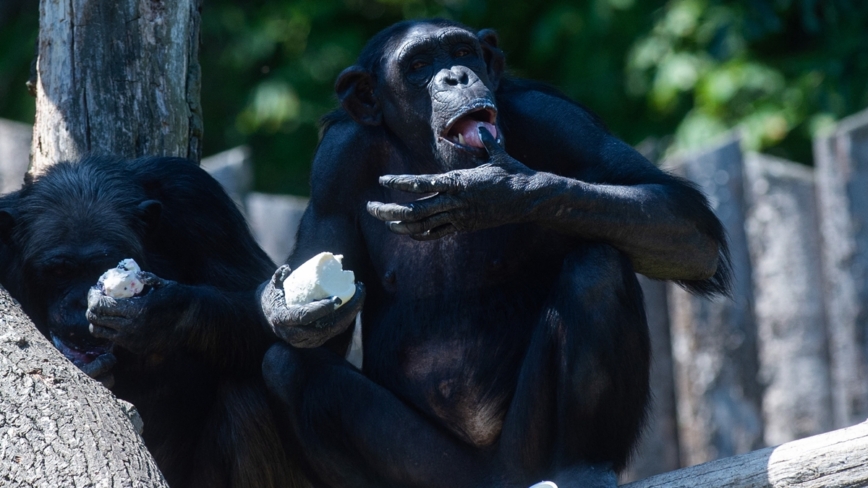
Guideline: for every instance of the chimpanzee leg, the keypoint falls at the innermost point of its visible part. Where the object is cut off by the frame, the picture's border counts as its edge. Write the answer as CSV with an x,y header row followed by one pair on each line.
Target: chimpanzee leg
x,y
356,433
583,388
240,446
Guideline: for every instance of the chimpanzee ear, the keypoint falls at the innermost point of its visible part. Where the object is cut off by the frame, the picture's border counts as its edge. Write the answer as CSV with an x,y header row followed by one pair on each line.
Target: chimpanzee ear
x,y
7,223
150,211
494,57
355,89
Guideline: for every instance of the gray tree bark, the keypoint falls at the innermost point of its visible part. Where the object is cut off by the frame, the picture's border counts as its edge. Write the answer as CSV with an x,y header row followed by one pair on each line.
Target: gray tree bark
x,y
783,234
842,193
59,428
835,459
117,77
714,341
113,77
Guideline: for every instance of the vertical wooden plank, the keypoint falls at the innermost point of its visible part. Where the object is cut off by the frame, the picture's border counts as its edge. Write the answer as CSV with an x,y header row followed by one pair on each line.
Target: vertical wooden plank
x,y
274,220
14,154
783,234
842,195
714,341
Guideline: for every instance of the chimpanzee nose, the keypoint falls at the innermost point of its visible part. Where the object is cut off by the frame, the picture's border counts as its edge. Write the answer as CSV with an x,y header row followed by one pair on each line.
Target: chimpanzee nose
x,y
457,76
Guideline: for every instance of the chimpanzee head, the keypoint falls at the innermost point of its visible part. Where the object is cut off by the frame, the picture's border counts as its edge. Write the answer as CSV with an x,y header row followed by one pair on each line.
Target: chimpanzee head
x,y
62,231
430,83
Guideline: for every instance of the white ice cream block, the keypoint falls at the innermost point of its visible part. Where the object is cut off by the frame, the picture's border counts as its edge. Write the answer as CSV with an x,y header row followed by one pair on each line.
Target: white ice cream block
x,y
122,281
322,276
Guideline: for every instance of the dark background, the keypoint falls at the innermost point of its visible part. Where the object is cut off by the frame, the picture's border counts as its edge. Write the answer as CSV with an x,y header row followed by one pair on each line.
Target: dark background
x,y
678,72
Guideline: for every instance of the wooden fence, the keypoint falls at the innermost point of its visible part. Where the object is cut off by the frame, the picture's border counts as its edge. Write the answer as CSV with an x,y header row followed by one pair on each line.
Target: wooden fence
x,y
784,359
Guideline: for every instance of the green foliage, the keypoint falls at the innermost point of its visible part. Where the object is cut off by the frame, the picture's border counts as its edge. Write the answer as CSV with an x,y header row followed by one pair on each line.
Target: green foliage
x,y
779,69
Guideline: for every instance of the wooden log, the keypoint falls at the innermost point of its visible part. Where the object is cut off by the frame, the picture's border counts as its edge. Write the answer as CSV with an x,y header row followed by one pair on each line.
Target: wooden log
x,y
842,195
714,341
658,448
783,234
834,459
58,427
118,78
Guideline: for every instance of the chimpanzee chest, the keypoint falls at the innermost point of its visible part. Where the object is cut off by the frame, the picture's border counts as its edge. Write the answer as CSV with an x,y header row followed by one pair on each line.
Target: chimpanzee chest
x,y
454,317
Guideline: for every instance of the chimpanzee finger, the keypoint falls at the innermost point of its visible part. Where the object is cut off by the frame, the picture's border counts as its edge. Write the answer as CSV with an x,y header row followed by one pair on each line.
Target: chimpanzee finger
x,y
433,222
101,365
103,332
114,322
280,275
420,183
150,279
412,211
489,141
435,234
296,315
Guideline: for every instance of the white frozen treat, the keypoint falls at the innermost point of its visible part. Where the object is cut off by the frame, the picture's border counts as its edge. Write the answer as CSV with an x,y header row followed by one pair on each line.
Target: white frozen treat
x,y
122,281
322,276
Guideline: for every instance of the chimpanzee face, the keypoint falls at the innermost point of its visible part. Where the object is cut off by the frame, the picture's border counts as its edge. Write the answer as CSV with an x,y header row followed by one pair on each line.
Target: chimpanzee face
x,y
62,258
61,241
433,89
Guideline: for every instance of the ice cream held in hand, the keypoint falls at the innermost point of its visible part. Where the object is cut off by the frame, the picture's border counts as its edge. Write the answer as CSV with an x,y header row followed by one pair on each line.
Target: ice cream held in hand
x,y
322,276
123,281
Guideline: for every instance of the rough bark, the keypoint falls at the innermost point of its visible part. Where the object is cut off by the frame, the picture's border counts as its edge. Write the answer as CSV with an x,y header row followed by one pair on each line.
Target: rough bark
x,y
835,459
714,341
658,448
118,78
784,240
59,428
842,193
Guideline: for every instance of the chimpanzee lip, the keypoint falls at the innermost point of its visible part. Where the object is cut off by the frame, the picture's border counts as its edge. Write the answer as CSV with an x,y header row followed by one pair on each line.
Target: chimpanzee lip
x,y
477,110
79,355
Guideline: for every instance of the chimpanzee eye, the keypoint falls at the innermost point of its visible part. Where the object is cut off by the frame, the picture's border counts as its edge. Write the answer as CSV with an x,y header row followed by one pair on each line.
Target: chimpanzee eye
x,y
461,52
417,65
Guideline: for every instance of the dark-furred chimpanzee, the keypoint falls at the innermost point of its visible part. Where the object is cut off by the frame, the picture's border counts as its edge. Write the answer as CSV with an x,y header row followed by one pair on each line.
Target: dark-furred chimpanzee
x,y
187,352
504,333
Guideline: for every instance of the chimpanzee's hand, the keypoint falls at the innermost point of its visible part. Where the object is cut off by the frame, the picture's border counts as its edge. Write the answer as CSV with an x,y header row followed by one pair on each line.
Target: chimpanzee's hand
x,y
144,323
308,325
100,369
493,194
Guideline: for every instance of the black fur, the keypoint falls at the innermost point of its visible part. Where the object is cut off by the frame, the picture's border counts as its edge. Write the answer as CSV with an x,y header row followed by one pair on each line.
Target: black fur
x,y
504,332
193,372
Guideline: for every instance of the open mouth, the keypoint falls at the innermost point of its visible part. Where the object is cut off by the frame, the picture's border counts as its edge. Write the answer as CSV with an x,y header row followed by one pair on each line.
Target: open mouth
x,y
462,131
80,355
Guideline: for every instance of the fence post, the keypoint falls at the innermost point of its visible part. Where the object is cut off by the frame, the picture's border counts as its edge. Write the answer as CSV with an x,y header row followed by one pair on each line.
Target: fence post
x,y
842,195
782,231
714,341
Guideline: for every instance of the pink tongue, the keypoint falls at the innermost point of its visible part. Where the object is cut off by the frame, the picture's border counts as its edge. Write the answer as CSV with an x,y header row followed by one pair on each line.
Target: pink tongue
x,y
468,129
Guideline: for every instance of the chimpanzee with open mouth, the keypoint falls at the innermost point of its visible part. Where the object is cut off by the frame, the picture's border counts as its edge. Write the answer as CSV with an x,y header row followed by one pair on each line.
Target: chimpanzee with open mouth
x,y
504,333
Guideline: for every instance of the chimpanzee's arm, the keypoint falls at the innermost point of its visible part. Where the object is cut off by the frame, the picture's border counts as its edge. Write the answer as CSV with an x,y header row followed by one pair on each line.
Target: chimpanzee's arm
x,y
204,269
330,223
566,172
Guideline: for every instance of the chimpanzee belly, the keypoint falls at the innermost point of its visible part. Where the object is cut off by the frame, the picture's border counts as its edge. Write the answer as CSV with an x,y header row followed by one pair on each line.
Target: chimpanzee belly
x,y
455,318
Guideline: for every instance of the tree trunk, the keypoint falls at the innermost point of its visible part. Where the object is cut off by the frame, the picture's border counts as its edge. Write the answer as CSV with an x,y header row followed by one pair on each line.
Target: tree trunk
x,y
118,78
58,427
115,78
